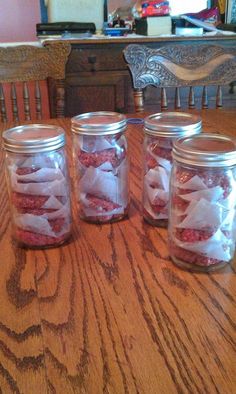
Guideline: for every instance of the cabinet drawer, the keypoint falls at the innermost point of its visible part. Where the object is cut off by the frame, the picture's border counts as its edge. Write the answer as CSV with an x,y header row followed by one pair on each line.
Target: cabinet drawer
x,y
100,91
96,59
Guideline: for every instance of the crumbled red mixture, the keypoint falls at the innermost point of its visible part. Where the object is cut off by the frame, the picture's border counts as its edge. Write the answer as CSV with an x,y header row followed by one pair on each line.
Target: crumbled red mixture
x,y
36,212
152,220
30,201
159,206
191,257
158,209
32,239
217,179
96,159
21,200
183,176
150,161
26,170
192,235
178,203
102,219
57,224
159,202
101,204
164,153
210,179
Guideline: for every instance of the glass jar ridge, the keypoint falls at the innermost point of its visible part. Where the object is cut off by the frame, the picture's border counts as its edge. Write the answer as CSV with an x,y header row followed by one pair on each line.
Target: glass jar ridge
x,y
101,166
37,179
202,224
160,132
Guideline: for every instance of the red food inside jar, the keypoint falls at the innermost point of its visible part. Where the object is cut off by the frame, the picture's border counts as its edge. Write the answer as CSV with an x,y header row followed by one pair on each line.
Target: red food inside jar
x,y
192,235
96,159
101,203
159,206
183,176
210,178
164,153
57,224
31,201
179,204
26,170
192,258
36,212
217,179
21,200
150,161
33,239
96,207
29,207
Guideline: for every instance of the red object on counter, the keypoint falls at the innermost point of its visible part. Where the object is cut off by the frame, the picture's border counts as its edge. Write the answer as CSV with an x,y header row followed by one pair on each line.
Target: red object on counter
x,y
155,8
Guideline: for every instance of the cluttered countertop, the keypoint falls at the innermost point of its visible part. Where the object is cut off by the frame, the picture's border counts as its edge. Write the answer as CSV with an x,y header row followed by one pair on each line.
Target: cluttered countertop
x,y
133,38
152,21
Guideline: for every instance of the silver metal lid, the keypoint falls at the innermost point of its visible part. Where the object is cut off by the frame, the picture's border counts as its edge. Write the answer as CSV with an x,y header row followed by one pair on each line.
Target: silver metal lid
x,y
33,138
205,150
172,124
99,123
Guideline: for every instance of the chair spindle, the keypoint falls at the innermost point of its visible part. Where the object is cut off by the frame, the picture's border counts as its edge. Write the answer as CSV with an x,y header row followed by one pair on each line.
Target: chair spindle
x,y
38,100
219,97
164,102
191,98
14,102
60,98
177,98
3,105
26,101
138,100
204,98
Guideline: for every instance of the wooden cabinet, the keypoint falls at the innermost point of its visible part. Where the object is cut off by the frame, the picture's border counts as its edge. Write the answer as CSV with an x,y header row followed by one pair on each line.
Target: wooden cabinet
x,y
97,77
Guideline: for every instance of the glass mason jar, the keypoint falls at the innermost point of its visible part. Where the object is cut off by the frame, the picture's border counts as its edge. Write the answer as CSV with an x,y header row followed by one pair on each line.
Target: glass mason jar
x,y
160,131
101,166
202,224
37,178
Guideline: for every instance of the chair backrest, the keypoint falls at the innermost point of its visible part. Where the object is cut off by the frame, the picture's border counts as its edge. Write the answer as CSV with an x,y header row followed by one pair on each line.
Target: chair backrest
x,y
27,70
179,66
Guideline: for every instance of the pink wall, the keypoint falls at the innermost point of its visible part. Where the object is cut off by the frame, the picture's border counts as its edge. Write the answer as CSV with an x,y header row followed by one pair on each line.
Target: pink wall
x,y
18,20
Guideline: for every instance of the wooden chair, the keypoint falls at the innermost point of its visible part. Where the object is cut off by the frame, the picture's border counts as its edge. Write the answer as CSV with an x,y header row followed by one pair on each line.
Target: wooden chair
x,y
23,69
179,66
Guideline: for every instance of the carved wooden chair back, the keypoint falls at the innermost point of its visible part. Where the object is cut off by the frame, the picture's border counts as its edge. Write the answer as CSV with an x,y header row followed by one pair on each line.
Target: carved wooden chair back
x,y
26,71
179,66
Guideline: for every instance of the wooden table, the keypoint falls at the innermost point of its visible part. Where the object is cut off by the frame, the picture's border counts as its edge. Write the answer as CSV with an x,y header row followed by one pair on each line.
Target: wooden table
x,y
109,312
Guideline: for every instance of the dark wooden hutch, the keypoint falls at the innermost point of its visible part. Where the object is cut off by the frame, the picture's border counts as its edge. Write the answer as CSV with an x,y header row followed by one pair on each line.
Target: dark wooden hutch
x,y
97,77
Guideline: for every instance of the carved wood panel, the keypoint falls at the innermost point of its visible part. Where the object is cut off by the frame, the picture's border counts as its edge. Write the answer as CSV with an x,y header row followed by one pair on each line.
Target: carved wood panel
x,y
180,65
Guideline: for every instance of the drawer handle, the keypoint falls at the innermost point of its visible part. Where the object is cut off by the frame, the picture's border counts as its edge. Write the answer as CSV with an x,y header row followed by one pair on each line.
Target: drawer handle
x,y
92,60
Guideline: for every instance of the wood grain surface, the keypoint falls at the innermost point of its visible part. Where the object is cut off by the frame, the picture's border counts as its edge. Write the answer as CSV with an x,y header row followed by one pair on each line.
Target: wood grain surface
x,y
108,312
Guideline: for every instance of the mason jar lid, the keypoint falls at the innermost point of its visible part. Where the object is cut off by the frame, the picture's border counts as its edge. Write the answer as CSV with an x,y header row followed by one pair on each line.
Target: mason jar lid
x,y
205,150
172,124
99,123
33,138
